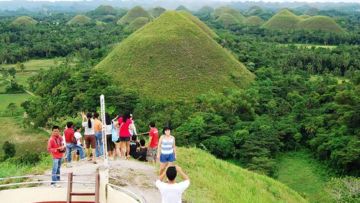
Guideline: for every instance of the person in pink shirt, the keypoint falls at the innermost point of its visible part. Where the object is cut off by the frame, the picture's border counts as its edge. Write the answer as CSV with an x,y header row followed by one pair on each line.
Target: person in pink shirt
x,y
124,135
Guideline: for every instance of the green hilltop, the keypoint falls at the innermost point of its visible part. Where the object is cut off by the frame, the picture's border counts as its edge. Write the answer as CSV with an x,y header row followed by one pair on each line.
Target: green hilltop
x,y
103,10
137,24
24,21
173,57
132,14
286,20
283,20
225,182
157,11
253,21
79,20
323,23
227,20
222,10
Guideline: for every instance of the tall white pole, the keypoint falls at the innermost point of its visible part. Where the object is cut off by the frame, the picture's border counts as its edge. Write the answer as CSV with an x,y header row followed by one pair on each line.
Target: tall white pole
x,y
102,109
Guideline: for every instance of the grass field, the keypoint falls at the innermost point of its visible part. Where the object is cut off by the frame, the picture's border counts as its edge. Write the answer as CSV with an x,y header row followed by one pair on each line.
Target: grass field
x,y
305,175
25,139
310,46
6,99
32,67
215,180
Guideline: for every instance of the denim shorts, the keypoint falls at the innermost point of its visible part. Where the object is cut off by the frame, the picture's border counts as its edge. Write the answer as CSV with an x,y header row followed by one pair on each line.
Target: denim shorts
x,y
167,158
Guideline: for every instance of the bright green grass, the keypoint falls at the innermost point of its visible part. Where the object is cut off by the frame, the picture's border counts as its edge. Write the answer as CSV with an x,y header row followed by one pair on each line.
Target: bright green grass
x,y
310,46
215,180
304,174
25,139
283,20
173,57
323,23
6,99
37,64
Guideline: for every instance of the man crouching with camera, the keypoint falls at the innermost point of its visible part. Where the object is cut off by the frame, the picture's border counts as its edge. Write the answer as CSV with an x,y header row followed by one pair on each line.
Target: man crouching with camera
x,y
57,150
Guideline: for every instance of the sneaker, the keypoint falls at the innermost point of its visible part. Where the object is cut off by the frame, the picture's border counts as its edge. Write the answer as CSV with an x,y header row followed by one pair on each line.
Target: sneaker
x,y
55,185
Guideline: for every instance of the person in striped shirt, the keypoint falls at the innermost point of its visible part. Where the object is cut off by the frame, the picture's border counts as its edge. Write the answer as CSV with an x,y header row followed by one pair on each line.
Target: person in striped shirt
x,y
166,153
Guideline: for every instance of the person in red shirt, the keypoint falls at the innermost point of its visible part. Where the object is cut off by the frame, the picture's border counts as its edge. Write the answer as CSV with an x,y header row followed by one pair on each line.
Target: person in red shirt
x,y
124,135
153,142
71,143
57,150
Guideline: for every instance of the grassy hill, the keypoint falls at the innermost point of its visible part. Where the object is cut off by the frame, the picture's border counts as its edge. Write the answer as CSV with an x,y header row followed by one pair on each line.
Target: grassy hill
x,y
222,10
182,8
104,10
24,21
79,20
283,20
227,20
323,23
253,21
214,180
132,14
157,11
286,20
137,23
199,23
173,57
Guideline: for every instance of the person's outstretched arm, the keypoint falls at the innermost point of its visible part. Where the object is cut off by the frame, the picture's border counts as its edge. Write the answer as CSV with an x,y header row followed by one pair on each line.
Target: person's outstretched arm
x,y
181,172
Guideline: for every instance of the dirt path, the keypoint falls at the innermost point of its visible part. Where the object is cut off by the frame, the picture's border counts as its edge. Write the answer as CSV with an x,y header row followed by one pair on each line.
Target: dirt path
x,y
137,177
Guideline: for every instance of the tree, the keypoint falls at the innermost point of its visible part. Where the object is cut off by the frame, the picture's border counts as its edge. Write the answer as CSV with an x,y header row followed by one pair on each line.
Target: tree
x,y
12,72
9,149
12,108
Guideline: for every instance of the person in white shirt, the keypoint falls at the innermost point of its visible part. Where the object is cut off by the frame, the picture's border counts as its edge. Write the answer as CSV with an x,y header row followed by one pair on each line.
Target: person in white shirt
x,y
171,192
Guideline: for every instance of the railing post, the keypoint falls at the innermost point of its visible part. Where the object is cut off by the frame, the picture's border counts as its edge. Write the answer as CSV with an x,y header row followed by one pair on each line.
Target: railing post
x,y
97,187
69,187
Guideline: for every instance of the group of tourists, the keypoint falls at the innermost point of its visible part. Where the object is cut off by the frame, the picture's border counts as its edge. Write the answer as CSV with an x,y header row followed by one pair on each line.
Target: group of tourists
x,y
122,142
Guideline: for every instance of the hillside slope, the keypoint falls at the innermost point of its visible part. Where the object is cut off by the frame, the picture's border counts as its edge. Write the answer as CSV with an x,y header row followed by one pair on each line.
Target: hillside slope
x,y
174,57
214,180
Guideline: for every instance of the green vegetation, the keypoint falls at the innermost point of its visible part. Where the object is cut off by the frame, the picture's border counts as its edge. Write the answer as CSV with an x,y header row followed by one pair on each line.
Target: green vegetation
x,y
253,21
194,57
17,99
286,20
157,11
24,21
79,20
304,174
104,10
283,20
132,14
227,20
137,24
26,140
226,10
322,23
182,8
225,182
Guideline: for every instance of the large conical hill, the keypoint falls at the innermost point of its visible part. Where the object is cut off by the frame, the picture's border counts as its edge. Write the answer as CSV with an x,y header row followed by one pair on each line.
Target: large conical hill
x,y
173,57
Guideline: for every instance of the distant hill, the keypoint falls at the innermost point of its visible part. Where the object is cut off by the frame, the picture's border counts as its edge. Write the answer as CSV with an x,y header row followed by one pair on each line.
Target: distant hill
x,y
182,8
79,20
132,14
24,21
103,10
227,20
236,14
283,20
286,20
224,182
137,23
157,11
173,57
253,21
323,23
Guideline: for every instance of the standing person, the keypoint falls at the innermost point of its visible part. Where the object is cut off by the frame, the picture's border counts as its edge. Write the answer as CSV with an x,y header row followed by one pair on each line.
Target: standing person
x,y
79,145
115,136
98,135
109,143
132,126
71,143
153,142
166,149
171,191
124,135
57,150
89,134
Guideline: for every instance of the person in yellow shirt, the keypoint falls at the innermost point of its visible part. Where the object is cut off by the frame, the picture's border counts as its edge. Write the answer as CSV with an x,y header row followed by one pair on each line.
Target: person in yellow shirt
x,y
98,135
